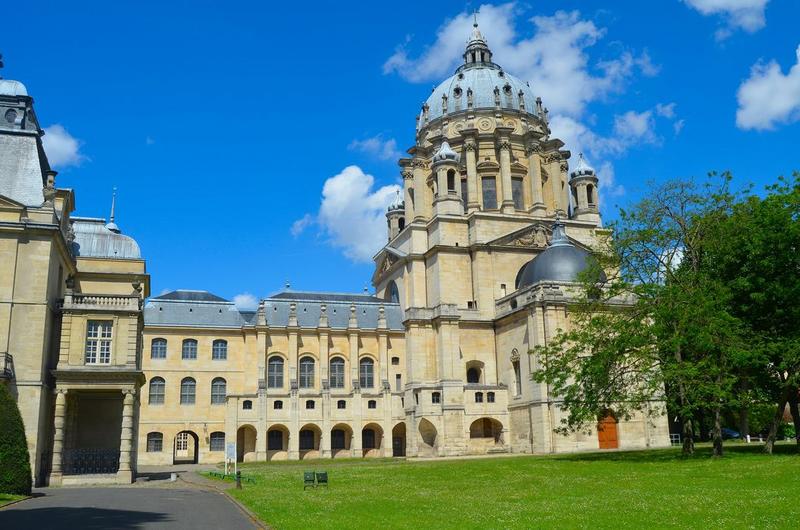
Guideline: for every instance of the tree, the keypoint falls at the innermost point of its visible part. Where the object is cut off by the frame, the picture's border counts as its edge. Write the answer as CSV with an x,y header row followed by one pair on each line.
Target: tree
x,y
660,322
755,251
15,465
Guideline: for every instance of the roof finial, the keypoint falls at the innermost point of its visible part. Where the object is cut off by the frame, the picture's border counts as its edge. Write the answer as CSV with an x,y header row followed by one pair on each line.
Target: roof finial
x,y
111,224
474,18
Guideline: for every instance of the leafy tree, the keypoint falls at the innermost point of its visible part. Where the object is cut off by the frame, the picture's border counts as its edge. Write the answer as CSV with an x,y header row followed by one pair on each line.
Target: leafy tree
x,y
660,322
15,466
755,251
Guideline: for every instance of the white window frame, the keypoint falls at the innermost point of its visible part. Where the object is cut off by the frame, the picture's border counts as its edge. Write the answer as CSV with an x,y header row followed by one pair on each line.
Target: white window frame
x,y
99,341
219,350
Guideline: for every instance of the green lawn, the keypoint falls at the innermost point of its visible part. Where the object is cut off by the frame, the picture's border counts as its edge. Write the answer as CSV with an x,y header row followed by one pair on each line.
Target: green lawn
x,y
5,498
650,489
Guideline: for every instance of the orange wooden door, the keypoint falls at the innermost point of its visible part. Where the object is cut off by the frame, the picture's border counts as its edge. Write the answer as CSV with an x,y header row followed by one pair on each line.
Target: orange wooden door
x,y
607,433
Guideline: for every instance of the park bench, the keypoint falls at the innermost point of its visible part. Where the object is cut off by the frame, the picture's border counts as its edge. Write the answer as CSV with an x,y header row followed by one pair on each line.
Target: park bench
x,y
322,478
308,480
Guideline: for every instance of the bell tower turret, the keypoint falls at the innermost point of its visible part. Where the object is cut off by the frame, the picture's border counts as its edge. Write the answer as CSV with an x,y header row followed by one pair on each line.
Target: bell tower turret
x,y
583,184
396,217
447,199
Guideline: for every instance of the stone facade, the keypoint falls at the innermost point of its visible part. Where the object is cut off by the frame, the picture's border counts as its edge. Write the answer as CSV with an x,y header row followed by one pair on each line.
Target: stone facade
x,y
479,268
447,335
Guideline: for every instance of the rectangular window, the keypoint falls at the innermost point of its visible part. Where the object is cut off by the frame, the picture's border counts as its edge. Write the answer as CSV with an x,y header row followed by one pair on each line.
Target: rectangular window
x,y
219,350
478,397
365,376
337,374
436,397
489,189
517,193
307,374
98,342
398,385
217,441
464,196
155,444
275,440
158,349
189,350
490,397
275,373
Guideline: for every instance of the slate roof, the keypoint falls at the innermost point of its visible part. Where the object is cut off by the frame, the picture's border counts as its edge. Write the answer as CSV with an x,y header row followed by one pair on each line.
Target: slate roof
x,y
207,310
93,239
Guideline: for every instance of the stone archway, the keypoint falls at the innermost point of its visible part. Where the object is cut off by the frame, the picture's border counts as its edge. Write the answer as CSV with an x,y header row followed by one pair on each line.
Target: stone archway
x,y
310,436
246,443
428,435
277,442
372,440
485,436
399,439
186,448
341,436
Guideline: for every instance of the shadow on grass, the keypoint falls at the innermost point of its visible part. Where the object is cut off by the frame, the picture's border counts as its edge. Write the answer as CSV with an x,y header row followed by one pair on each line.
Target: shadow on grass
x,y
19,516
703,450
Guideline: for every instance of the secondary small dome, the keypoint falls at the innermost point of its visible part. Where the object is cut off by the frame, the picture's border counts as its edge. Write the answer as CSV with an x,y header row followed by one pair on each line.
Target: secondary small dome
x,y
561,261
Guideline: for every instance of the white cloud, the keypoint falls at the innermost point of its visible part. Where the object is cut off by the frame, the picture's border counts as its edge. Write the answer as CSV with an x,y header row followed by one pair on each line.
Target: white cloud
x,y
769,97
299,226
677,126
245,301
149,140
377,147
666,110
633,128
554,60
748,15
353,214
63,150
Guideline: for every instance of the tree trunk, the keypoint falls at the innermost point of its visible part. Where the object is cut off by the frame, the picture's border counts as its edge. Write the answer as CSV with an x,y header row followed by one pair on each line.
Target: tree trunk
x,y
717,431
795,410
688,437
776,421
744,422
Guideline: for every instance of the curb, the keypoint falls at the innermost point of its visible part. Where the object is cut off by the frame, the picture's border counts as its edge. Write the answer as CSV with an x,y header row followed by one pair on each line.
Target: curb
x,y
12,503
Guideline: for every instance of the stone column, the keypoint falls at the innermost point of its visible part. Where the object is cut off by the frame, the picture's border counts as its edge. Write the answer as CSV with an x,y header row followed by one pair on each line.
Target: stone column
x,y
125,473
56,471
423,205
471,149
504,147
535,177
408,190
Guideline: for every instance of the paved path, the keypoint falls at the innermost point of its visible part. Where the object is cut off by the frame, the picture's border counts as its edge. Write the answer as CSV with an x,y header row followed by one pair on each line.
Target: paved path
x,y
126,508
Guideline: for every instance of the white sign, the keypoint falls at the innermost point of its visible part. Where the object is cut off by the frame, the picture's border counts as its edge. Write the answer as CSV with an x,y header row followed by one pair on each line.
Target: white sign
x,y
230,450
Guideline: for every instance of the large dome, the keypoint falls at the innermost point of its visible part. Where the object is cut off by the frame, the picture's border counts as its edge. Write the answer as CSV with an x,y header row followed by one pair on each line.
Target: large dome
x,y
478,84
561,261
482,80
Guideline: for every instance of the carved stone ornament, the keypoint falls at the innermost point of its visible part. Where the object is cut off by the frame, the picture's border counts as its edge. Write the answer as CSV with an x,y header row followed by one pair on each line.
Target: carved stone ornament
x,y
532,149
564,167
407,174
505,145
419,163
470,146
514,355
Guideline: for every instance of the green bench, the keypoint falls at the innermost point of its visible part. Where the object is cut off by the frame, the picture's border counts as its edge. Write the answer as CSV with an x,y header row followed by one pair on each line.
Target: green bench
x,y
312,479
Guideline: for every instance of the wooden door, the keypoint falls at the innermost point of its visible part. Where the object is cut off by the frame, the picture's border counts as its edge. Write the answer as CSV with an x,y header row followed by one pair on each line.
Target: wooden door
x,y
607,433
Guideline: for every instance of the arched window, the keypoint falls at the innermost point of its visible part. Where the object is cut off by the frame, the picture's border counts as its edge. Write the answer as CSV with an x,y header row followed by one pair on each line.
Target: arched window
x,y
157,390
436,397
219,350
277,404
473,375
517,379
372,404
158,349
216,442
341,404
306,372
155,442
189,349
478,397
517,193
490,397
310,404
401,223
451,181
366,368
247,405
187,391
218,391
337,372
275,372
395,361
392,294
590,195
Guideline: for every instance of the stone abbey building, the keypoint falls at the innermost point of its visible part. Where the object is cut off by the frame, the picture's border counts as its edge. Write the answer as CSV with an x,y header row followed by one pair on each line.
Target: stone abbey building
x,y
480,266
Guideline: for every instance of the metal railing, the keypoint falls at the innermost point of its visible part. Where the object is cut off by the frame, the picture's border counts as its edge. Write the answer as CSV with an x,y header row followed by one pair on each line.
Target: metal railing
x,y
6,366
90,461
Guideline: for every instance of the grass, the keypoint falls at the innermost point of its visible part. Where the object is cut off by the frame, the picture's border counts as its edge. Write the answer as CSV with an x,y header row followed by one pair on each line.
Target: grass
x,y
648,489
5,498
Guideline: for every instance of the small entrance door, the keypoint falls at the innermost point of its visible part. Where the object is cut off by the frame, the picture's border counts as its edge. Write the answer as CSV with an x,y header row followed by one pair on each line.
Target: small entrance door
x,y
607,433
398,446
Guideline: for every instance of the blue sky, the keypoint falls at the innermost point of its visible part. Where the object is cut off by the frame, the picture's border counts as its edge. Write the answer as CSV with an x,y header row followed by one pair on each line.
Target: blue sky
x,y
223,123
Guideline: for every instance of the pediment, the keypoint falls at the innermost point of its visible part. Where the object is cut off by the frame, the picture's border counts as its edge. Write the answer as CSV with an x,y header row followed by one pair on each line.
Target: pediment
x,y
488,165
536,235
385,260
8,203
516,167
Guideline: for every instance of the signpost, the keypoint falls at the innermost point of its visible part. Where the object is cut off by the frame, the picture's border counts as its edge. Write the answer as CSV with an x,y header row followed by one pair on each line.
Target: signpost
x,y
230,454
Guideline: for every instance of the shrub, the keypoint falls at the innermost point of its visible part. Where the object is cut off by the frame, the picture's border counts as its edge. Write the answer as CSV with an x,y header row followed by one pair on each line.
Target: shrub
x,y
15,464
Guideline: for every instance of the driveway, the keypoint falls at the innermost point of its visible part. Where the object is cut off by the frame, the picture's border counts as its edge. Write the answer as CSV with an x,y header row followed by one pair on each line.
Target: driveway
x,y
125,508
